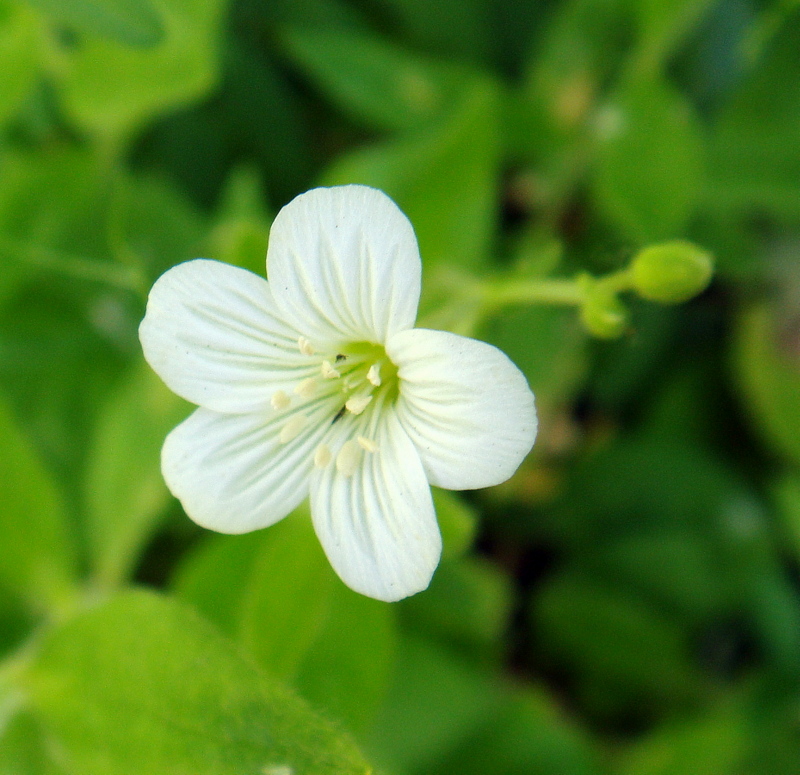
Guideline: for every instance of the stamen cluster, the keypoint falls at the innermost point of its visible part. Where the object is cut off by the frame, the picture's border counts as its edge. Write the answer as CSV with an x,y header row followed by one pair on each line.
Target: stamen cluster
x,y
349,381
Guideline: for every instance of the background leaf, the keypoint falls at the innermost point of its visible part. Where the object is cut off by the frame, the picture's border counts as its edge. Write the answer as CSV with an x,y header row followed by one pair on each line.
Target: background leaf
x,y
131,22
161,691
20,38
283,603
125,492
112,89
442,177
38,558
649,161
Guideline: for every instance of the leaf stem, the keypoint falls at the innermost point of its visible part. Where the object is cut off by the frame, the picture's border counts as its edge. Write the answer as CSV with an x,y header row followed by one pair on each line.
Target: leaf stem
x,y
118,275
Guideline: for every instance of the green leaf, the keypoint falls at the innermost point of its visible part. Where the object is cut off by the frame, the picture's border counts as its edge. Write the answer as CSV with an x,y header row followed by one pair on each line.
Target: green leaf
x,y
130,22
48,200
140,684
649,163
214,576
786,492
754,153
468,606
276,593
16,620
549,346
444,177
768,373
125,492
37,559
529,735
458,522
279,621
435,702
155,226
459,29
241,228
111,89
23,750
347,669
385,86
710,745
676,570
20,40
626,655
581,50
663,24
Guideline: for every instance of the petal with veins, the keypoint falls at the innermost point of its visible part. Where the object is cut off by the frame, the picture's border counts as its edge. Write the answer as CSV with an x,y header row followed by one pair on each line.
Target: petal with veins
x,y
344,262
378,525
467,408
211,333
232,473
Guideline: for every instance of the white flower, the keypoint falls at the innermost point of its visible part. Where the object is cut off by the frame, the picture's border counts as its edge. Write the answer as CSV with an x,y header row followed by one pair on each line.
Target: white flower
x,y
317,383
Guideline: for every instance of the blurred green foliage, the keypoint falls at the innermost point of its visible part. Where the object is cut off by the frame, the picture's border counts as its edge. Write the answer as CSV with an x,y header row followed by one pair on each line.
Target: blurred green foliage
x,y
628,604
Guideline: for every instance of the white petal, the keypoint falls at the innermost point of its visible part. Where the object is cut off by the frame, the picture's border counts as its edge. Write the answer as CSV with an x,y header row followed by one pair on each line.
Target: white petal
x,y
231,472
465,405
211,333
377,525
344,264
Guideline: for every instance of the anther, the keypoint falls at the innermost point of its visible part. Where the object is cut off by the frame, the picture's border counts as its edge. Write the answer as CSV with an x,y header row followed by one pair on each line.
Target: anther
x,y
323,456
368,445
374,374
280,400
348,458
305,346
357,404
328,371
292,428
306,388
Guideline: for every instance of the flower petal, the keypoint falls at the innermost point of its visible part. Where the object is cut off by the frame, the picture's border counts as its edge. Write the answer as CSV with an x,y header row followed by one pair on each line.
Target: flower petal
x,y
378,526
211,333
231,472
465,405
344,264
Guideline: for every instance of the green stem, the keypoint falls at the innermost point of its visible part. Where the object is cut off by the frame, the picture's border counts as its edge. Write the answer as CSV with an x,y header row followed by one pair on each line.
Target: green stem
x,y
560,292
117,275
617,281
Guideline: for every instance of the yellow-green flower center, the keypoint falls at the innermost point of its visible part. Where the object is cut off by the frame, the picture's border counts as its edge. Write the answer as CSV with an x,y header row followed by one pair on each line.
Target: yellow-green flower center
x,y
355,380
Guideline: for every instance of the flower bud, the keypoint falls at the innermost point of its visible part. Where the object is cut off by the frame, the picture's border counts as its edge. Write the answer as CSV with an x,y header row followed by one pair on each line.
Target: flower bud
x,y
602,313
671,272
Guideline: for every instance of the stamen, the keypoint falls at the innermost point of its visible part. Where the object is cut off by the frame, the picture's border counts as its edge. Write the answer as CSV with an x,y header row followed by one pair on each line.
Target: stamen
x,y
357,404
280,400
368,445
292,428
305,346
323,456
348,458
328,371
307,388
374,375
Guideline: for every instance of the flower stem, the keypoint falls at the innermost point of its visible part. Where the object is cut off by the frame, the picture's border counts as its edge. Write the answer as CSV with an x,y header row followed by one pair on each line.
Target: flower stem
x,y
561,292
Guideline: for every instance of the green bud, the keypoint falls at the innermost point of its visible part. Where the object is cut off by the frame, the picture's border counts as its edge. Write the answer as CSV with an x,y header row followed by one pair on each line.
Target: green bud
x,y
671,272
602,313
